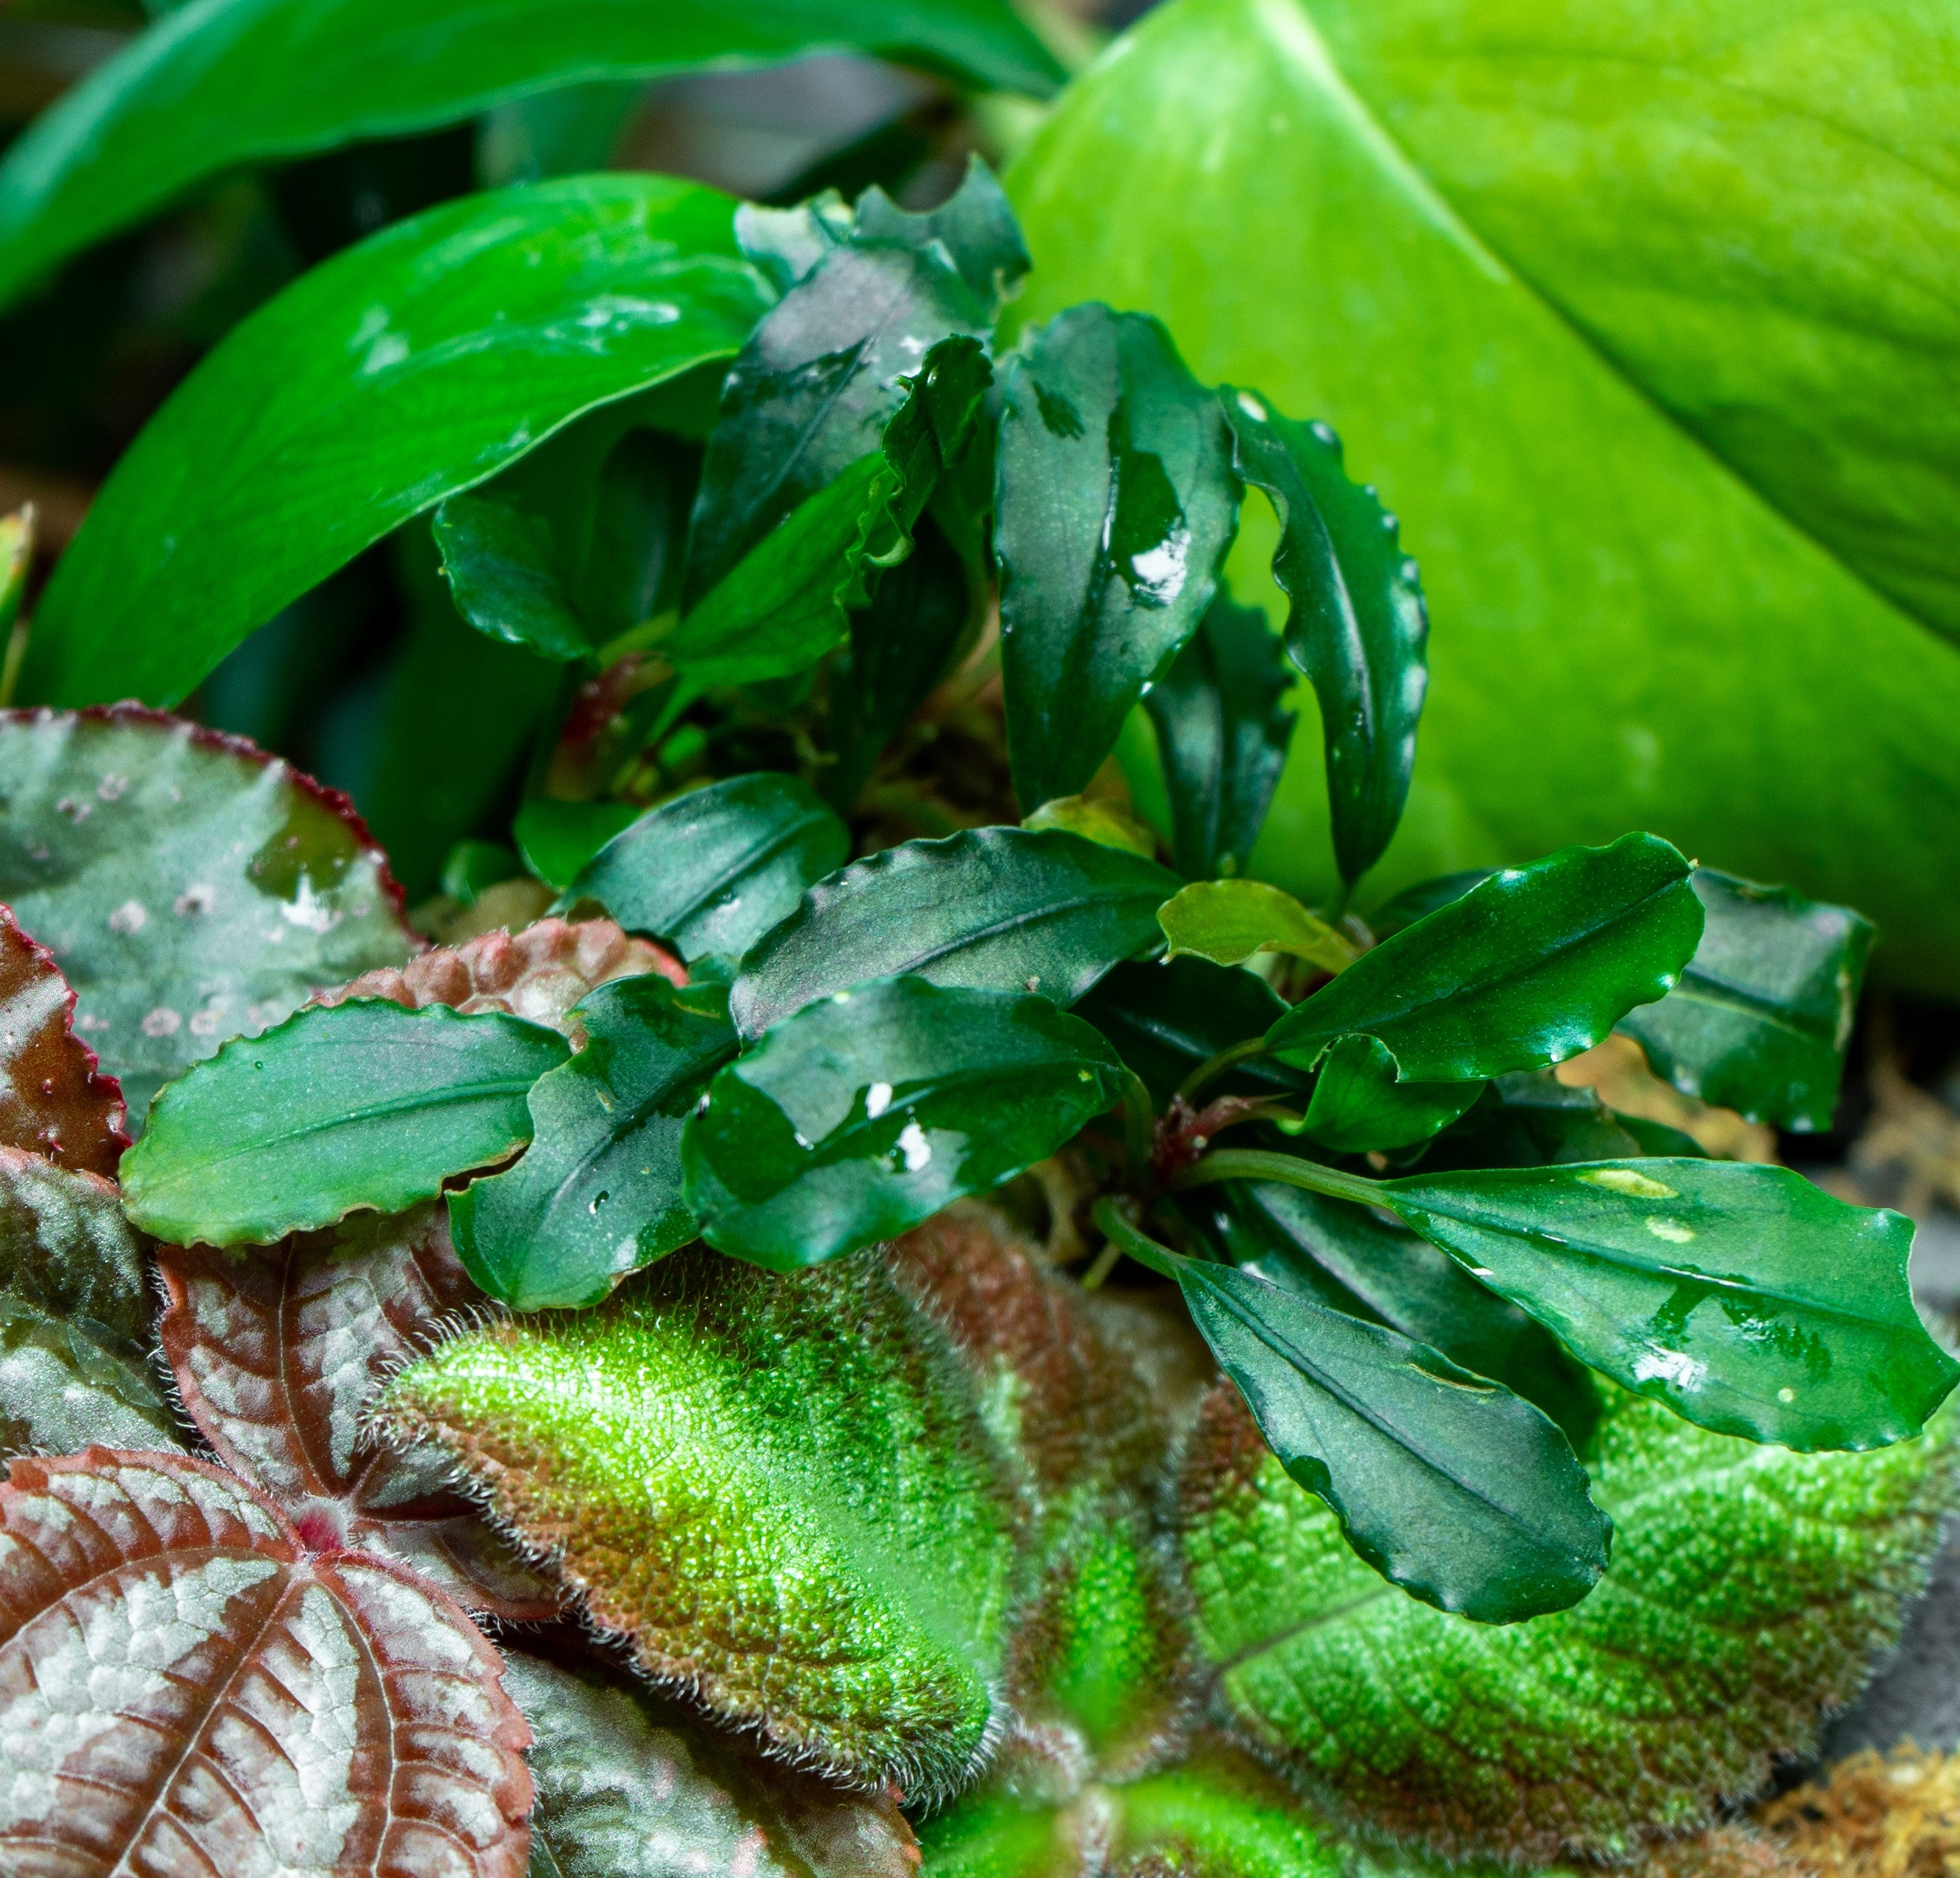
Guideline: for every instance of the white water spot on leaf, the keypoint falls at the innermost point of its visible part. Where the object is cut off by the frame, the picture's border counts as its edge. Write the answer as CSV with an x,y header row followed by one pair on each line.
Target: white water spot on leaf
x,y
1786,1394
1252,407
1625,1181
129,917
163,1022
1673,1366
389,351
877,1099
1160,571
913,1145
1672,1230
308,910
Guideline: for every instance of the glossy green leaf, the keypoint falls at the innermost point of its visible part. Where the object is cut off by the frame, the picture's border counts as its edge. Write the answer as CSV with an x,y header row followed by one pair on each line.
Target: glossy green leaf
x,y
1222,729
400,373
873,1109
1167,1018
713,870
1531,1120
1114,503
1749,1591
559,840
220,85
1642,318
1359,1103
1356,627
1418,901
1230,921
1449,1484
975,224
1748,1299
1760,1018
998,909
1533,966
364,1104
190,888
598,1192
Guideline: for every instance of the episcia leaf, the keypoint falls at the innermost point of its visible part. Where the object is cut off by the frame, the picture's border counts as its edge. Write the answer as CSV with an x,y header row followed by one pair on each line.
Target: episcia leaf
x,y
1114,503
1223,729
777,1488
632,1786
399,372
1166,1019
996,909
364,1104
190,887
1749,1589
1230,921
1356,626
713,870
276,1358
1532,967
74,1316
1760,1019
259,82
871,1109
1748,1299
53,1102
1359,1103
170,1646
598,1193
1449,1484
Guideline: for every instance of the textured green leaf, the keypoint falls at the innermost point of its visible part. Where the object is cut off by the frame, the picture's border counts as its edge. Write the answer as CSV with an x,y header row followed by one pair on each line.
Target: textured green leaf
x,y
75,1336
1166,1018
248,80
713,870
1640,316
997,909
630,1786
1533,966
1449,1484
776,1487
1222,730
1748,1590
364,1104
189,887
975,224
400,373
1230,921
870,1110
1115,504
1356,627
1748,1299
1760,1019
598,1193
1359,1103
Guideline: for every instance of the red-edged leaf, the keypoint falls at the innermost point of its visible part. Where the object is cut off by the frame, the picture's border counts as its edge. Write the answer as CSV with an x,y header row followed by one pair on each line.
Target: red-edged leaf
x,y
52,1101
184,1689
277,1353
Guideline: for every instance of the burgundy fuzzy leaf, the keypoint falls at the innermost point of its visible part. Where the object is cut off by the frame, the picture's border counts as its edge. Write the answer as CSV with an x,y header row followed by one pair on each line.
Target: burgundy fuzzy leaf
x,y
53,1102
277,1353
184,1689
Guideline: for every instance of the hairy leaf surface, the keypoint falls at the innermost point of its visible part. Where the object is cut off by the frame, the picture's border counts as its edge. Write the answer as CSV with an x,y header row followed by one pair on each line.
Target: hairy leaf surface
x,y
53,1101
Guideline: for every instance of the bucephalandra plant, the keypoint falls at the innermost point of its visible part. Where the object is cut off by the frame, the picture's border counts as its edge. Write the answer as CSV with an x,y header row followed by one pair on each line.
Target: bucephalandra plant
x,y
695,1255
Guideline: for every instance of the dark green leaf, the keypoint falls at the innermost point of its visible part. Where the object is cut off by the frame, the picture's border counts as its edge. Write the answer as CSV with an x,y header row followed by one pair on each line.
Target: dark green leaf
x,y
598,1193
875,1108
1533,966
558,838
1531,1120
976,225
714,869
1359,1104
1115,503
1748,1299
1414,903
1165,1019
189,887
503,567
1447,1484
1760,1019
402,372
1222,735
223,85
786,243
999,909
1230,921
364,1104
1357,628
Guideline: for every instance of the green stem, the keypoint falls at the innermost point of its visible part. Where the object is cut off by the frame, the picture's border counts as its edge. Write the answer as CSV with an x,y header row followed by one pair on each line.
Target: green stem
x,y
1124,1237
1256,1163
1214,1067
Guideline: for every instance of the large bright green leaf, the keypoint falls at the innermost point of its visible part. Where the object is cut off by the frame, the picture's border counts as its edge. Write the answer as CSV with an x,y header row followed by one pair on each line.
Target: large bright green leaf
x,y
225,82
1643,319
362,1104
1231,921
872,1110
406,369
1002,909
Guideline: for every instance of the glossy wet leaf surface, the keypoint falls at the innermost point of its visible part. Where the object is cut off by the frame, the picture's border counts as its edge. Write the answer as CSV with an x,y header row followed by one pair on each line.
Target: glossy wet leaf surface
x,y
996,909
362,1105
1359,1103
869,1111
169,1652
190,888
401,372
598,1194
277,1355
53,1100
1230,921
